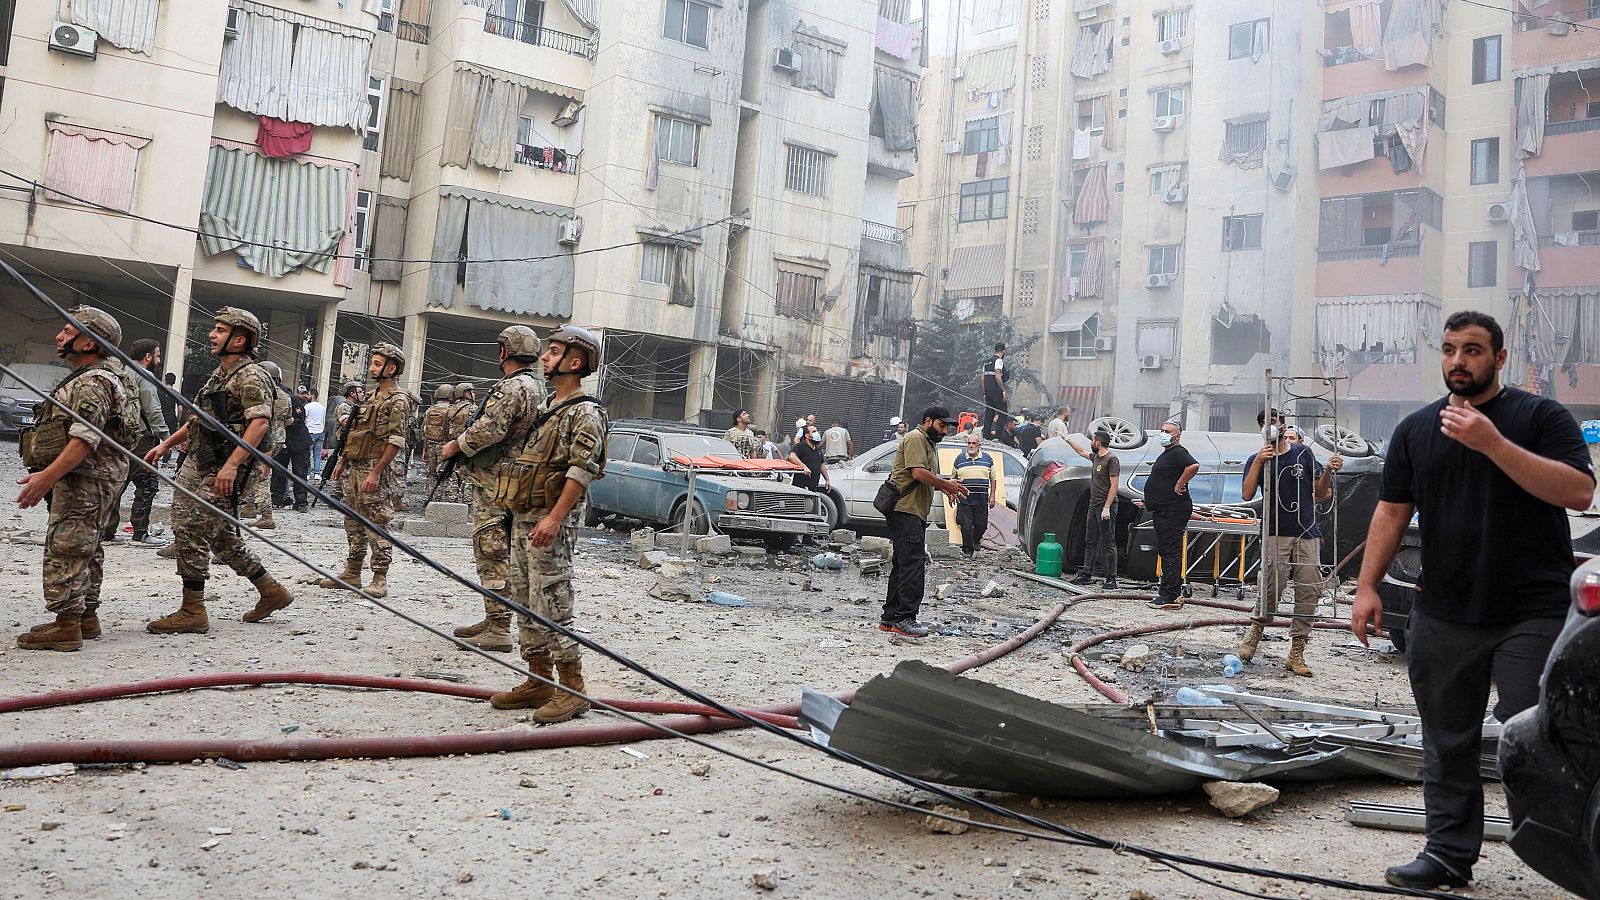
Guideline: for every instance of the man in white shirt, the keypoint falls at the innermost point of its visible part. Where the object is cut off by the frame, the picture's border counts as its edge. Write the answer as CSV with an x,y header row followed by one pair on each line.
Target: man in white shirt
x,y
1058,425
836,444
316,422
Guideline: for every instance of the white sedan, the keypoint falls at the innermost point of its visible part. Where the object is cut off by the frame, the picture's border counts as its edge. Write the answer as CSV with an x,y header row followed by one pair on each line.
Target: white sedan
x,y
853,484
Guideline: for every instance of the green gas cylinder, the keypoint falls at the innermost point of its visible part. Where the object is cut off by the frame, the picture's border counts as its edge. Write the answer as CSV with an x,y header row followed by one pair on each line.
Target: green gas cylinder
x,y
1047,557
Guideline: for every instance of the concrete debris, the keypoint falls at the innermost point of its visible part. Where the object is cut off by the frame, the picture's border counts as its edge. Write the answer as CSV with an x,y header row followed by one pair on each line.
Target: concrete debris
x,y
871,566
464,878
1135,658
936,825
700,768
765,881
34,773
652,559
942,592
642,540
842,536
443,513
672,540
678,567
716,543
675,590
993,589
879,545
211,844
1236,799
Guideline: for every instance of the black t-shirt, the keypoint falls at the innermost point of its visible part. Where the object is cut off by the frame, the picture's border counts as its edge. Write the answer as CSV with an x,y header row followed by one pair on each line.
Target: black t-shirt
x,y
811,458
1164,475
1291,478
1028,437
996,367
1491,551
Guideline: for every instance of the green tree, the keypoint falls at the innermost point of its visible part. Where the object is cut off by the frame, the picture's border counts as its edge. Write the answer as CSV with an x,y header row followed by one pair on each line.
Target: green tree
x,y
949,353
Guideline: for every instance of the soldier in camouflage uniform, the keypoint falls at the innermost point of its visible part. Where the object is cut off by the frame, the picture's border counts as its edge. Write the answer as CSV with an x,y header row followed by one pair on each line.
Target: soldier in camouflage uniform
x,y
564,452
261,487
436,430
353,395
455,489
366,463
489,441
239,395
83,473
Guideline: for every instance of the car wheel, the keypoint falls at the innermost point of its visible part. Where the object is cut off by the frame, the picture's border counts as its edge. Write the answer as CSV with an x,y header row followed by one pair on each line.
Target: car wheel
x,y
591,515
833,510
1397,637
1343,441
1124,434
698,522
778,543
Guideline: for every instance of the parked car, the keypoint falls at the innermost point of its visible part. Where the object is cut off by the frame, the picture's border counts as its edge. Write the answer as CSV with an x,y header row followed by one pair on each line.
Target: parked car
x,y
644,482
1550,754
853,483
1054,495
18,405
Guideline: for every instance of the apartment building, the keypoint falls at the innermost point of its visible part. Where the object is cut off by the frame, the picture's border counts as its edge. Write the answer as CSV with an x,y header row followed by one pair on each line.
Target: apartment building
x,y
1303,188
681,176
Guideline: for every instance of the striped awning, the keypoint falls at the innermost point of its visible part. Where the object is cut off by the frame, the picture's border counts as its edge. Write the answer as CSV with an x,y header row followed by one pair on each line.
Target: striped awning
x,y
978,271
1071,320
279,214
993,69
129,24
1083,399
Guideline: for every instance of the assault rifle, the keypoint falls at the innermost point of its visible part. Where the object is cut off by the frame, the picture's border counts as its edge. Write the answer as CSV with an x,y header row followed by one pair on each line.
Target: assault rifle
x,y
338,449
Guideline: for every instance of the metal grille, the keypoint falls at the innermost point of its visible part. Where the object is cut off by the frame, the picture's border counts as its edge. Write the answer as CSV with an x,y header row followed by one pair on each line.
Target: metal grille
x,y
1035,141
1025,289
779,505
1037,77
1030,215
1083,399
806,172
1041,9
864,406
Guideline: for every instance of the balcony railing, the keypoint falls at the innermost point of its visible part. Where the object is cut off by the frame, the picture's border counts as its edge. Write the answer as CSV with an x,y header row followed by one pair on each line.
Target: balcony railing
x,y
1575,126
415,32
877,231
1340,56
538,35
1570,239
551,158
1378,251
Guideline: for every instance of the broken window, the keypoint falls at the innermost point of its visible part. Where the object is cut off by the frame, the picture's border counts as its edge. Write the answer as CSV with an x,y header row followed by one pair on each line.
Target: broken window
x,y
982,135
1079,343
1248,39
1234,344
1165,180
669,263
1241,232
1245,141
799,293
374,122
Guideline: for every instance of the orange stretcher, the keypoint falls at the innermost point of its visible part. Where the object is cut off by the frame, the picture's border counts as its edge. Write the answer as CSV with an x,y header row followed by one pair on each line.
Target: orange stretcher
x,y
737,465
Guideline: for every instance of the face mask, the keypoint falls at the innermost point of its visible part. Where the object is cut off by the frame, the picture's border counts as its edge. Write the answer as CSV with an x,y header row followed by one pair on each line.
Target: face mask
x,y
1164,439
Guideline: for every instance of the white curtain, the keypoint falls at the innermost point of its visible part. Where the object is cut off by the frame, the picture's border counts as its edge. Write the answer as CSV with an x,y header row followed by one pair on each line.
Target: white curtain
x,y
295,67
129,24
1532,93
388,239
1524,233
328,83
446,247
1092,55
513,281
279,214
254,76
1157,339
481,124
1397,321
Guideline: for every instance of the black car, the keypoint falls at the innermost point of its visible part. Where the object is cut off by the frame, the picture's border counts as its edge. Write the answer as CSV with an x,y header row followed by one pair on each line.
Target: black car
x,y
1400,586
1550,754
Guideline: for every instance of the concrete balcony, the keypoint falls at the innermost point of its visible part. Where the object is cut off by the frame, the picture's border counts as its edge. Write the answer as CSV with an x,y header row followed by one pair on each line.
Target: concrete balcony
x,y
1538,47
1377,175
512,46
538,36
1367,76
1569,266
888,163
1414,268
877,231
1569,147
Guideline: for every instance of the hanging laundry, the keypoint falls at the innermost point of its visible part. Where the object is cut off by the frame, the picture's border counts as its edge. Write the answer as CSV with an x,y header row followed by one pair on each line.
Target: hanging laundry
x,y
983,165
1082,143
1398,157
277,137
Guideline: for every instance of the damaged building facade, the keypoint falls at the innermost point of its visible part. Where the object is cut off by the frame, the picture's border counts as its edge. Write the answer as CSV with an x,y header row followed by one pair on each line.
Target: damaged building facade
x,y
1177,202
687,183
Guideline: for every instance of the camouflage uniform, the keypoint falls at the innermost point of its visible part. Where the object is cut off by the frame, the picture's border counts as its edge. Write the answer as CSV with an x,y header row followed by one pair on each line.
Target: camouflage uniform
x,y
81,501
382,422
571,442
196,531
145,484
261,490
435,432
455,490
491,439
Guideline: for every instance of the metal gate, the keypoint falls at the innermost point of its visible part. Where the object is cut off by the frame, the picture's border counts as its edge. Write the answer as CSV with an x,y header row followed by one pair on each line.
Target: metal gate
x,y
865,406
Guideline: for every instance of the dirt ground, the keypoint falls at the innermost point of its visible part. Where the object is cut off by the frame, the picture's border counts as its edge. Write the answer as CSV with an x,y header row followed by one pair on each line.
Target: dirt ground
x,y
598,821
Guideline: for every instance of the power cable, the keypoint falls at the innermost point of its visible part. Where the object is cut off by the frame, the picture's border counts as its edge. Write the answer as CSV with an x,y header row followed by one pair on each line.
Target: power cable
x,y
1066,834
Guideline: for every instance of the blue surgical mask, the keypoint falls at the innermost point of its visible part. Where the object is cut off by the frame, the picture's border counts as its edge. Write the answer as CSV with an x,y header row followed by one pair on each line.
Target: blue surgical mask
x,y
1164,439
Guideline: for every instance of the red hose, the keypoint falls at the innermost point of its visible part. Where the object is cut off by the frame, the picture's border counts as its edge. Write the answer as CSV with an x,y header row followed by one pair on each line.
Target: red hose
x,y
703,720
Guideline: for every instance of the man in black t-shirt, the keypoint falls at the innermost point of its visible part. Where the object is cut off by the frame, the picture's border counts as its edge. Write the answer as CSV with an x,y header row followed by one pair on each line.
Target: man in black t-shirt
x,y
1030,433
1166,496
1488,469
1100,543
808,452
995,397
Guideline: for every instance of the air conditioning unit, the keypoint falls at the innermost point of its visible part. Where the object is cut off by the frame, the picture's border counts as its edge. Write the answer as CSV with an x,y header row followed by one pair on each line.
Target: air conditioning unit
x,y
952,147
1176,195
70,38
568,115
1499,212
1160,281
1285,179
783,60
235,15
957,73
1166,123
571,231
1105,344
1171,46
1149,363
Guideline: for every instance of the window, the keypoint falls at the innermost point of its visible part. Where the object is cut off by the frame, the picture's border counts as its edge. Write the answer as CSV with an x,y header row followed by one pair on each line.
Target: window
x,y
1486,161
1248,39
677,141
1165,180
1171,101
1079,344
519,19
687,22
1077,257
982,135
984,200
659,260
1172,25
363,227
806,171
619,445
1586,220
94,167
1436,107
1245,141
1092,114
1164,260
799,294
1482,256
374,123
648,451
1220,418
1241,232
894,10
1486,59
1375,110
386,15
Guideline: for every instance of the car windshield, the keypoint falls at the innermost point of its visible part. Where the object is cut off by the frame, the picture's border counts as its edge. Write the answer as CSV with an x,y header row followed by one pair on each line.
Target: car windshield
x,y
693,445
1213,488
45,380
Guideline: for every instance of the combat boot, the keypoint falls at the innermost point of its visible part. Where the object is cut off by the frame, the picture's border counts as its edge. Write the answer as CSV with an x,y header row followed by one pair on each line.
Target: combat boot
x,y
351,575
189,619
170,551
379,585
496,635
533,693
565,705
89,625
1296,662
1252,640
472,630
62,634
265,521
274,597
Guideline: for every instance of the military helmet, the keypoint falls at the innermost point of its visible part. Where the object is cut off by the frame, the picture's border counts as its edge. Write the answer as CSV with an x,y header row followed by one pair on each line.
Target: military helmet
x,y
273,370
443,392
520,343
350,387
99,322
390,354
573,336
235,319
462,388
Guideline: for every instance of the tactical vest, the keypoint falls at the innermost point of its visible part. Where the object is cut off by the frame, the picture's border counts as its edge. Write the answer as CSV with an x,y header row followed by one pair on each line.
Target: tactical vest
x,y
362,445
490,456
436,425
537,477
208,446
42,443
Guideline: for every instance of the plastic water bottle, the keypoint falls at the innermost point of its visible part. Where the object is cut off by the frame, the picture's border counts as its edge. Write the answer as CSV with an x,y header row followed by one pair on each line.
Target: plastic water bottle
x,y
1188,696
828,561
1232,666
723,598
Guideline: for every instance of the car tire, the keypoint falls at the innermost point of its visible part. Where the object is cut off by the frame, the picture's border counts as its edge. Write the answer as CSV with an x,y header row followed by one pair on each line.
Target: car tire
x,y
833,510
779,543
1397,637
698,524
591,515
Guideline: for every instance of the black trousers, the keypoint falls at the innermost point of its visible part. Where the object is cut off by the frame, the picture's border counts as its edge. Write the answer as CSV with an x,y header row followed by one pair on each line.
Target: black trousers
x,y
1099,542
1451,665
299,462
1169,522
973,520
908,574
994,415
